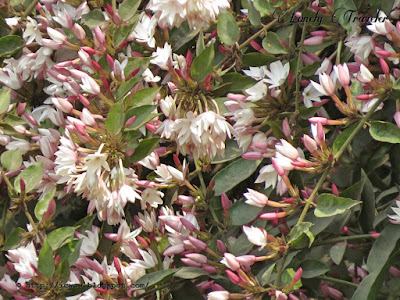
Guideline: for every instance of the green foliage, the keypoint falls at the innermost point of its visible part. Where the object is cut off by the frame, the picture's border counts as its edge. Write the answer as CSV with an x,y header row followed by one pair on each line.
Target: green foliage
x,y
203,64
329,205
228,31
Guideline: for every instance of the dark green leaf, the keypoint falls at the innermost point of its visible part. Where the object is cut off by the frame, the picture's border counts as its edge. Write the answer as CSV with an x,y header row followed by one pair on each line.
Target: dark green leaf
x,y
367,214
144,149
137,62
337,252
179,36
310,69
121,34
313,268
14,239
228,31
385,132
70,252
186,290
232,151
10,44
344,13
190,273
5,96
62,271
125,88
31,176
242,213
233,174
253,15
239,82
115,118
272,44
46,260
60,236
386,6
142,113
264,6
11,159
342,138
241,246
155,277
203,64
307,112
329,205
257,59
94,18
200,44
144,97
128,8
43,204
265,278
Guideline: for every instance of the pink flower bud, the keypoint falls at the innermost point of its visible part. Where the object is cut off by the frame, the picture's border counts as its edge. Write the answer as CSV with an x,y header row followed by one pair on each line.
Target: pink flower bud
x,y
84,100
186,200
221,246
273,215
99,36
226,203
232,277
366,97
314,41
199,258
343,74
130,121
56,35
277,168
210,269
94,264
309,143
319,33
383,53
323,121
384,66
191,263
231,262
91,50
237,97
22,185
50,210
173,250
188,224
197,243
253,155
62,104
246,260
78,31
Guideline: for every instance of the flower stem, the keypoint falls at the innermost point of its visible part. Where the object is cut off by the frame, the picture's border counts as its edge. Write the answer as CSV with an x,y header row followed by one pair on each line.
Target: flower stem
x,y
342,239
335,280
298,72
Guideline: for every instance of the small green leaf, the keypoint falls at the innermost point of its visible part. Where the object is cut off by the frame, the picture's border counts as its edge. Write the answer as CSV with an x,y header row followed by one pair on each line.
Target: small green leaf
x,y
179,36
70,252
264,6
312,268
239,82
190,273
144,149
385,6
203,64
144,97
385,132
242,245
128,8
257,59
43,204
31,176
242,213
46,260
10,44
265,278
125,88
367,214
228,31
142,113
13,239
298,231
186,290
11,159
232,151
337,252
94,18
115,118
272,44
121,34
200,44
342,138
155,277
344,14
233,174
137,62
59,237
5,96
330,205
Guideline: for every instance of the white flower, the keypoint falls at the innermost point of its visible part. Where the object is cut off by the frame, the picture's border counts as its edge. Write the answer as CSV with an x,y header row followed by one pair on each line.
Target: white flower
x,y
361,46
22,259
195,12
144,30
149,77
148,221
277,73
90,241
267,175
256,73
326,86
311,94
395,218
149,259
256,198
383,28
257,91
32,32
286,149
218,295
89,85
151,196
162,56
256,236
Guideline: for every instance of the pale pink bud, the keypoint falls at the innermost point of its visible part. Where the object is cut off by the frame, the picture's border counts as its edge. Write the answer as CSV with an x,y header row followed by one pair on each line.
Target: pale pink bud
x,y
306,59
50,210
384,66
246,260
226,203
297,275
19,297
231,262
392,270
221,246
323,121
197,243
117,19
30,119
314,41
343,74
277,168
130,121
309,143
21,108
51,44
85,58
232,277
327,84
197,257
173,250
94,264
319,33
286,128
320,132
253,155
279,295
237,97
186,200
261,145
256,198
99,35
374,234
62,104
78,31
210,269
56,36
273,215
90,85
188,224
191,263
383,53
57,75
84,100
91,50
287,149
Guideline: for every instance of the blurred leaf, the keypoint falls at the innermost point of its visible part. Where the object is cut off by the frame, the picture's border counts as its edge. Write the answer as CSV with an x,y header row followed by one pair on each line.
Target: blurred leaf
x,y
255,59
121,34
13,239
367,214
115,118
287,278
137,62
60,236
200,44
46,260
62,271
264,6
43,204
203,64
11,159
94,18
128,8
190,273
265,278
31,176
242,213
342,9
307,112
242,245
10,44
337,251
310,69
180,36
144,97
313,268
239,82
125,88
5,96
228,31
385,132
253,15
342,138
330,205
233,174
272,44
155,277
232,151
385,6
186,290
70,252
144,149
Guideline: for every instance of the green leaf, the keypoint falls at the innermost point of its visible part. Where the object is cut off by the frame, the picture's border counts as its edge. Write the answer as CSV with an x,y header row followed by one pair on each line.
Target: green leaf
x,y
264,6
233,174
11,159
14,239
370,286
253,15
62,271
13,120
310,69
265,278
121,34
186,290
125,88
287,278
142,114
153,278
330,205
144,97
10,44
232,151
190,273
367,214
46,260
343,15
200,44
272,44
144,149
137,62
239,82
242,245
203,64
5,96
228,31
59,237
337,251
307,112
128,8
43,204
179,36
385,132
31,175
257,59
115,118
94,18
70,252
312,268
342,138
386,6
298,231
242,213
